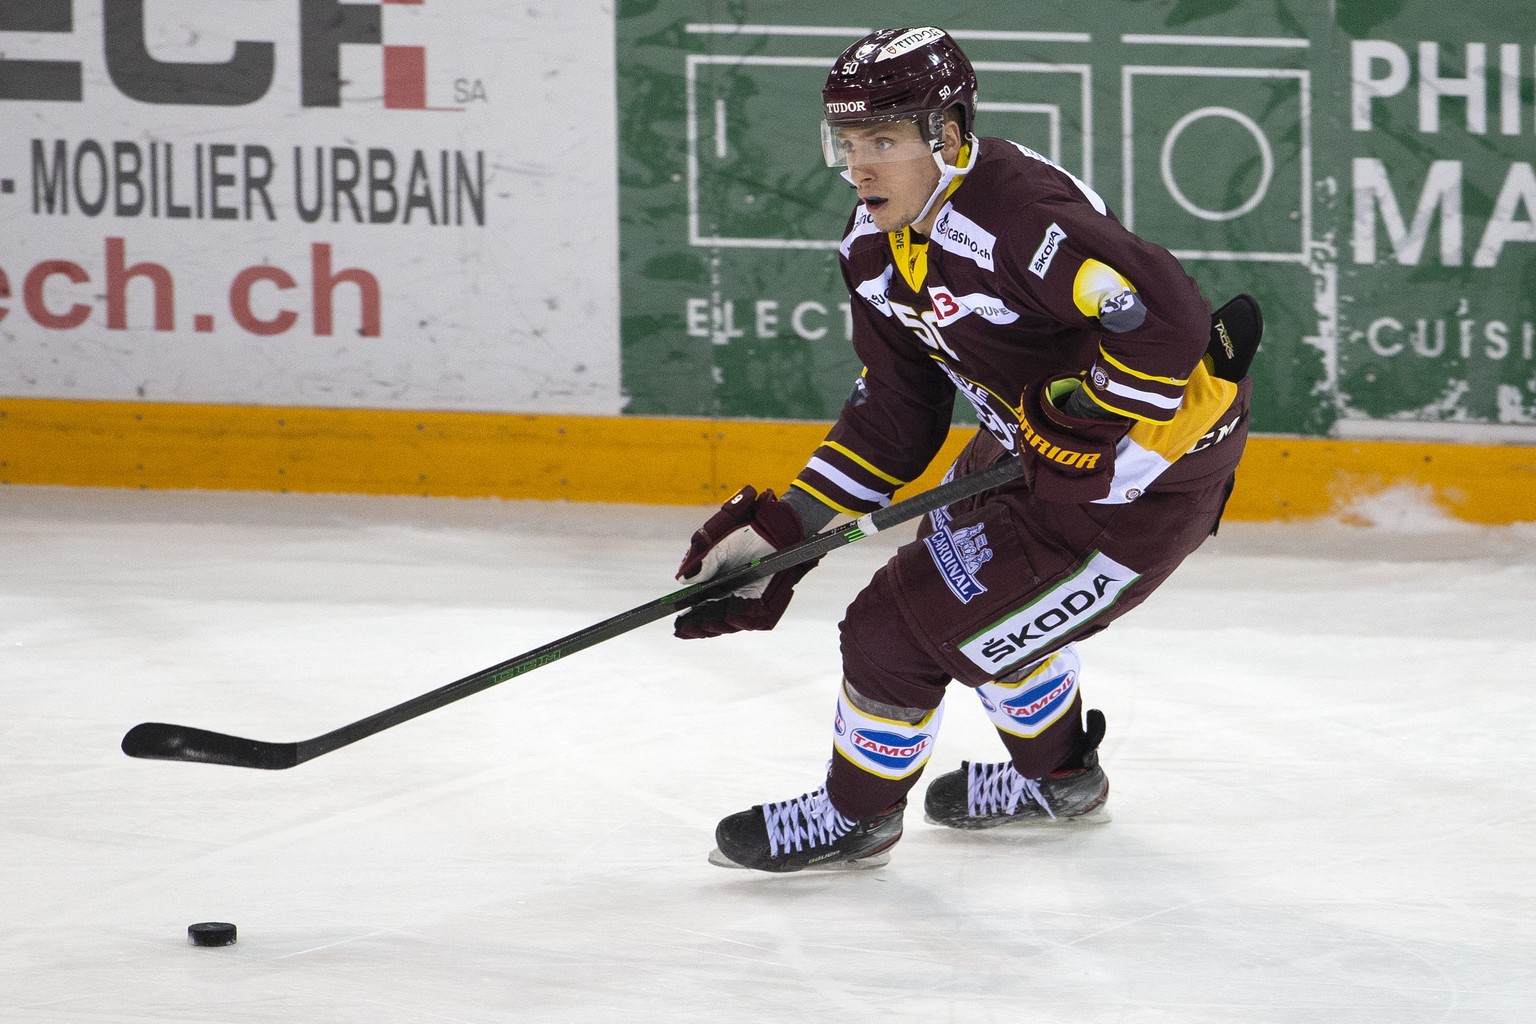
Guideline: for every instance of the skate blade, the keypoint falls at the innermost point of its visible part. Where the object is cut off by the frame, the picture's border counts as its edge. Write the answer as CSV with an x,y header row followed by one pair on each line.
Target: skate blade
x,y
874,860
1098,816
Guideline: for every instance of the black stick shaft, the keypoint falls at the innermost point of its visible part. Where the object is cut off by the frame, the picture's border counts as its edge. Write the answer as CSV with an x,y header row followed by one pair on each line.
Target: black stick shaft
x,y
160,741
1236,331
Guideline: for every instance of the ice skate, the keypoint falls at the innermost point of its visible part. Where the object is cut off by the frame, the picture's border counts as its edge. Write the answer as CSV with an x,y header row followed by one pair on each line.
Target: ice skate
x,y
988,795
806,832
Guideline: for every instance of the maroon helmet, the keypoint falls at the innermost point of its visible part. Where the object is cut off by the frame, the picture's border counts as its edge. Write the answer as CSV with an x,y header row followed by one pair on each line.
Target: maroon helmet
x,y
901,74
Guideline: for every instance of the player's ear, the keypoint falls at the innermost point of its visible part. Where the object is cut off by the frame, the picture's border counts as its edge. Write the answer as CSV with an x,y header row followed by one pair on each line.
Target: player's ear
x,y
952,140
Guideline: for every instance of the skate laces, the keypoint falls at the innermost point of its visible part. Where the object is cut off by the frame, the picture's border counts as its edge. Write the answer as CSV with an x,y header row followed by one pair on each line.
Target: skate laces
x,y
999,789
808,820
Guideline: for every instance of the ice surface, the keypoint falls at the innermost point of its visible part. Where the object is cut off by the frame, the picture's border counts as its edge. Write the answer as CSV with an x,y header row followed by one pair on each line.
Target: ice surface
x,y
1324,790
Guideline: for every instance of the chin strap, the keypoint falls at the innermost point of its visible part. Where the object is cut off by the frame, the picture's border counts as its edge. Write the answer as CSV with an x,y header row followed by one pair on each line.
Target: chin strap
x,y
950,176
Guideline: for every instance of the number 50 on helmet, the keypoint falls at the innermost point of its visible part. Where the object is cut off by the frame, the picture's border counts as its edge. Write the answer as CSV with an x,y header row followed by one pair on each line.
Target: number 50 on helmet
x,y
894,75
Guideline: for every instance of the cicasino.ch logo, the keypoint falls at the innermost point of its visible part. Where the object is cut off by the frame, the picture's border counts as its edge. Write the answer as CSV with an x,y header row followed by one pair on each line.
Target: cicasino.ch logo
x,y
324,27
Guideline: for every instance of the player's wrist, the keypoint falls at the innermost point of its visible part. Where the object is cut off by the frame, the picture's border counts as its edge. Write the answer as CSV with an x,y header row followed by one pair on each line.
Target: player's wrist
x,y
813,513
1053,408
1078,404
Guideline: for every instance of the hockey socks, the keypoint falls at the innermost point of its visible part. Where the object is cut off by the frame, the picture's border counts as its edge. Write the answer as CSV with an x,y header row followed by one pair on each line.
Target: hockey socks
x,y
879,752
1026,704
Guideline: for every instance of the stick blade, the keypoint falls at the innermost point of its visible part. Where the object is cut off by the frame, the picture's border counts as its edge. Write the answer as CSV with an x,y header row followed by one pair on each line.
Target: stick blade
x,y
157,741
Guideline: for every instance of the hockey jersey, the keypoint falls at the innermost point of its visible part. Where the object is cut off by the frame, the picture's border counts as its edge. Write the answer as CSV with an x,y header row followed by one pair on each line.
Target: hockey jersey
x,y
1027,275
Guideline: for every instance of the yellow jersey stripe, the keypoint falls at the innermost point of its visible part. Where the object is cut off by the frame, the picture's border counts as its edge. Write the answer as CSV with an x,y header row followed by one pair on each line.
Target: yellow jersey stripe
x,y
813,492
1111,360
1097,400
1206,400
864,463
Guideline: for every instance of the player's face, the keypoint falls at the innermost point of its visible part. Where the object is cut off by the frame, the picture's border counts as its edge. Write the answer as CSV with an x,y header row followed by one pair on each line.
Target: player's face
x,y
894,191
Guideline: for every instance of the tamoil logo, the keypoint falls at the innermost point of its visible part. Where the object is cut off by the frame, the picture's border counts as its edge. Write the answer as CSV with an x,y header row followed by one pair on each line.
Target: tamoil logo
x,y
325,26
1033,705
892,750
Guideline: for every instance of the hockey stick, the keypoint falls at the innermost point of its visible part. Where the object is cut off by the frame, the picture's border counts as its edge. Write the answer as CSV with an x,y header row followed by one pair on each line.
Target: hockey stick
x,y
1235,333
162,742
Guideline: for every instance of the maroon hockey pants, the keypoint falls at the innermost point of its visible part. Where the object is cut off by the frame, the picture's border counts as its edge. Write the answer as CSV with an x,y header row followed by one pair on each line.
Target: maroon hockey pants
x,y
999,581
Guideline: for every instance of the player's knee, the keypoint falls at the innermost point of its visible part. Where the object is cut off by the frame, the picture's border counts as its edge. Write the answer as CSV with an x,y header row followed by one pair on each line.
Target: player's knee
x,y
881,709
881,659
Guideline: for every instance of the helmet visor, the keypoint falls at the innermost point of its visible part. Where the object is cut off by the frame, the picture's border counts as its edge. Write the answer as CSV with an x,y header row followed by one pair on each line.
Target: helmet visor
x,y
880,142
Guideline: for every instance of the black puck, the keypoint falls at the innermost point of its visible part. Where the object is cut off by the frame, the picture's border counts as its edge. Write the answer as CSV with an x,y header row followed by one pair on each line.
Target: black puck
x,y
211,933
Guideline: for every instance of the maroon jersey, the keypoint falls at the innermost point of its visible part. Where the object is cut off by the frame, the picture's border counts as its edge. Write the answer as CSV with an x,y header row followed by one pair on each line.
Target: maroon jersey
x,y
1027,275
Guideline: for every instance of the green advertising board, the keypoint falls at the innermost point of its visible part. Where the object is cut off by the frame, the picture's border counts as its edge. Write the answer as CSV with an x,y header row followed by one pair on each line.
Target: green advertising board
x,y
1364,167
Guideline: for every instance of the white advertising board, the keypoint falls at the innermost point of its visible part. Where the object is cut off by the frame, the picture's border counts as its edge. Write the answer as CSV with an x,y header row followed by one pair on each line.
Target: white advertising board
x,y
396,204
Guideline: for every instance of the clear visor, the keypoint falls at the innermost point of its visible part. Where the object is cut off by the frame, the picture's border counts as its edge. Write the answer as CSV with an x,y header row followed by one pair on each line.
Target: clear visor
x,y
880,143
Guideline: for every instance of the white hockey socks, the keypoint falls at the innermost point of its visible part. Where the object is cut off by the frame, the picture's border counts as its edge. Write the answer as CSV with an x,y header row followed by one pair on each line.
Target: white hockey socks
x,y
1029,701
885,747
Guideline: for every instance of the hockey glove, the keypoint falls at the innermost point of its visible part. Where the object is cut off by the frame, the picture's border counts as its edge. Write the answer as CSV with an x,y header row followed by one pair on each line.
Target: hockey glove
x,y
1070,459
747,527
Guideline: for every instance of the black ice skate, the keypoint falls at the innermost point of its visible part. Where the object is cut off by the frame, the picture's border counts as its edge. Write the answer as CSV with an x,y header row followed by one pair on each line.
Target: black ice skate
x,y
988,795
806,832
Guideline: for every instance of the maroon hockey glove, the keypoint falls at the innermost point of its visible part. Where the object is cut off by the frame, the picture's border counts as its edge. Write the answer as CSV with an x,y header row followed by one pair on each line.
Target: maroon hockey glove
x,y
1070,459
747,527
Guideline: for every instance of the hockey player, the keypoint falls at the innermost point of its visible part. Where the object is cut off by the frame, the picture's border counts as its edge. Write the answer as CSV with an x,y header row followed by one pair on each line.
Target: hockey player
x,y
980,268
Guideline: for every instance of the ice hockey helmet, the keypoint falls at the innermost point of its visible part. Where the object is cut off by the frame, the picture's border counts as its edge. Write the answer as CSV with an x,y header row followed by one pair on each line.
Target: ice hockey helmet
x,y
900,73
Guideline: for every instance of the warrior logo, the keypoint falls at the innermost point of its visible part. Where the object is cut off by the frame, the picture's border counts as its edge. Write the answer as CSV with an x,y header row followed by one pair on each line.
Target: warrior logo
x,y
1062,610
958,555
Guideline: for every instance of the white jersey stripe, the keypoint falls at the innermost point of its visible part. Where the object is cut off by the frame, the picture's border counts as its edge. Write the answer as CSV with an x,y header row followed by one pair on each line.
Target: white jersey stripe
x,y
1114,387
846,483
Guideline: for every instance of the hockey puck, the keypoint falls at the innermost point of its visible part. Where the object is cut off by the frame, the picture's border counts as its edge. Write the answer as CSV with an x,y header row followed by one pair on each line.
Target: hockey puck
x,y
211,933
